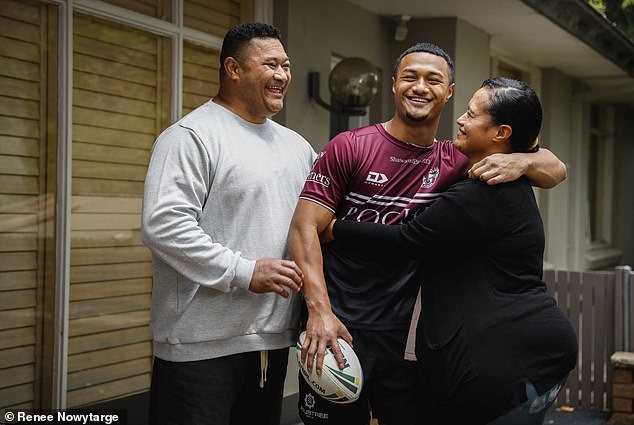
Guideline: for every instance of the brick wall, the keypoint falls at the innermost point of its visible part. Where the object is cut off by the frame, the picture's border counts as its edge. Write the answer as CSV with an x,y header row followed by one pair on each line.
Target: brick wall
x,y
623,388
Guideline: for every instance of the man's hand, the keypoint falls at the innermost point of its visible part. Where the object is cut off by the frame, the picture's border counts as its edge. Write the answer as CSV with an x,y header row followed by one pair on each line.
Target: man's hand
x,y
272,275
322,331
542,168
499,168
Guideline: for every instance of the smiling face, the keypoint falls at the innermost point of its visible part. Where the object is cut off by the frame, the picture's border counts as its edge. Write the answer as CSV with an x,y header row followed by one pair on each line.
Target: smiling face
x,y
477,135
421,86
265,73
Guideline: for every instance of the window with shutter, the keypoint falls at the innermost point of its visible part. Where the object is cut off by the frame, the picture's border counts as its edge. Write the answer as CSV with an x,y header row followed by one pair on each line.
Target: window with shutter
x,y
121,100
27,197
156,8
120,104
212,17
200,75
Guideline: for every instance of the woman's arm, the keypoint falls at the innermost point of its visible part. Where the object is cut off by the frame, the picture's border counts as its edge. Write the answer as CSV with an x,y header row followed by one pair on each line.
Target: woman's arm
x,y
463,217
371,238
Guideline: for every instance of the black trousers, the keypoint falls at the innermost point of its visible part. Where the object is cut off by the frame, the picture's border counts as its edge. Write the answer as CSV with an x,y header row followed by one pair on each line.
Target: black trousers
x,y
221,391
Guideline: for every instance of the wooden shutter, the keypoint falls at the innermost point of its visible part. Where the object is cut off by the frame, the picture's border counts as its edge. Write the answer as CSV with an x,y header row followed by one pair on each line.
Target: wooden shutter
x,y
119,106
200,75
26,205
200,64
156,8
213,17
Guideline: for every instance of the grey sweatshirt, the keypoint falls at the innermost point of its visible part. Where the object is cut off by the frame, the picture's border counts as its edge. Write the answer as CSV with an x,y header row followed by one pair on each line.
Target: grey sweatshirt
x,y
219,194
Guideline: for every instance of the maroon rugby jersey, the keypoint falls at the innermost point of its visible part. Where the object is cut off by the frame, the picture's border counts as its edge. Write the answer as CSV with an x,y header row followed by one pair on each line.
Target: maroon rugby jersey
x,y
367,175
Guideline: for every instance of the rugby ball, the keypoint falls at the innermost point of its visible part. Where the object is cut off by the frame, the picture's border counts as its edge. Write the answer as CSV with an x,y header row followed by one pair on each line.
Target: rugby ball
x,y
334,384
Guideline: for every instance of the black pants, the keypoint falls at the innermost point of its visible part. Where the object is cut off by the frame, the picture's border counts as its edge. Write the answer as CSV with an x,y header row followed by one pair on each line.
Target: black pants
x,y
221,391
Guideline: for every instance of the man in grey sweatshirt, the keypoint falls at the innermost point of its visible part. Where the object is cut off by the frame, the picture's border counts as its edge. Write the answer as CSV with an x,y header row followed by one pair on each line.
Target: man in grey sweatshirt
x,y
220,191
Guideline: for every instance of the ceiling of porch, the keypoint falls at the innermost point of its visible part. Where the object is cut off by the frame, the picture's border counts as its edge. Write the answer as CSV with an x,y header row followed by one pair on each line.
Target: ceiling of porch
x,y
520,32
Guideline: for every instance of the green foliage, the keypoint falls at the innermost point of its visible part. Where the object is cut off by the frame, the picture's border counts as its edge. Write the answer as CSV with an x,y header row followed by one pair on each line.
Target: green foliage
x,y
599,5
619,12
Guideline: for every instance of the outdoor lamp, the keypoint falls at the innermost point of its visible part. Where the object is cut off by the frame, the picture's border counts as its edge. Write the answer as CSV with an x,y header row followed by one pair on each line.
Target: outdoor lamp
x,y
353,83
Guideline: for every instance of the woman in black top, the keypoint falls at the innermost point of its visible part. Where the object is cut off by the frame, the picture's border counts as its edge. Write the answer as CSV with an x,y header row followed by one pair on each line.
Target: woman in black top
x,y
491,343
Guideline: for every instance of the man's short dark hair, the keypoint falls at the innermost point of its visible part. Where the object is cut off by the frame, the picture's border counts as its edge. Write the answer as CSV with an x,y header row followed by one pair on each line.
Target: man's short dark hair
x,y
238,38
427,48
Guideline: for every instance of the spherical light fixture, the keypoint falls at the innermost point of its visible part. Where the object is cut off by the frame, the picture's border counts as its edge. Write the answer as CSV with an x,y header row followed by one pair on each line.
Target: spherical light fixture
x,y
353,84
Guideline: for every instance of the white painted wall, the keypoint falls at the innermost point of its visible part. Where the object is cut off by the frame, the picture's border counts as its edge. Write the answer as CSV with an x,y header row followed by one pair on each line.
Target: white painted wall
x,y
563,206
472,60
315,32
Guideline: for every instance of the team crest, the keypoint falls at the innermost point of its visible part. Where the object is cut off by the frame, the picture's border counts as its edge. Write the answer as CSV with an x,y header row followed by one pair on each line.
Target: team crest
x,y
431,177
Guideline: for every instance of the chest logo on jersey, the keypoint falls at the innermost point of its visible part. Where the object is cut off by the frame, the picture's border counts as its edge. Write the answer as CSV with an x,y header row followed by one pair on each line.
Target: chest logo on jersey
x,y
431,177
413,161
376,178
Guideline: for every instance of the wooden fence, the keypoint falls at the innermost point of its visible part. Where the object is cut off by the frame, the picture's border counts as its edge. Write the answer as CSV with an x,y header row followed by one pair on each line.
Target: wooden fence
x,y
598,305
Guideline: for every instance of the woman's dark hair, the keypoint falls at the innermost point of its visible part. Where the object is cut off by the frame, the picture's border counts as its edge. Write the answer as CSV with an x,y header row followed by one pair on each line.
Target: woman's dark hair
x,y
515,104
427,48
238,38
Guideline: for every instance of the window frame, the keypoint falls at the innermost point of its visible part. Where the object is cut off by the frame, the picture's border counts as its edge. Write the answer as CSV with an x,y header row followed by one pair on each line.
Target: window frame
x,y
599,252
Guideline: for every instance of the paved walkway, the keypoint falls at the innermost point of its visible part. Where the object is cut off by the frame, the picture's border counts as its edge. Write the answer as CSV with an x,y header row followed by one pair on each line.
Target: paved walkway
x,y
557,417
553,417
576,417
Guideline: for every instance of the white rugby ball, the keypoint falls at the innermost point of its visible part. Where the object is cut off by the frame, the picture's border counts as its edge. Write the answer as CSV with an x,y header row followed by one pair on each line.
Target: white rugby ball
x,y
334,384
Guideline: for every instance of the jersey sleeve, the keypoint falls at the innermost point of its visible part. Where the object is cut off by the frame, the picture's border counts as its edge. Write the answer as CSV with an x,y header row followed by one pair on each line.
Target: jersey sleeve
x,y
326,182
459,161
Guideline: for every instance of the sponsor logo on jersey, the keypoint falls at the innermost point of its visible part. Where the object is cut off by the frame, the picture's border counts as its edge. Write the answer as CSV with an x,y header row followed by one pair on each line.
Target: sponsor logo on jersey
x,y
431,177
413,161
376,178
386,209
318,178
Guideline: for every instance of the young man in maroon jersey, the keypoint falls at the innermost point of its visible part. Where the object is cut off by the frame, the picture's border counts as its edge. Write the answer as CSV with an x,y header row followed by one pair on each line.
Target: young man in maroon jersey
x,y
383,173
